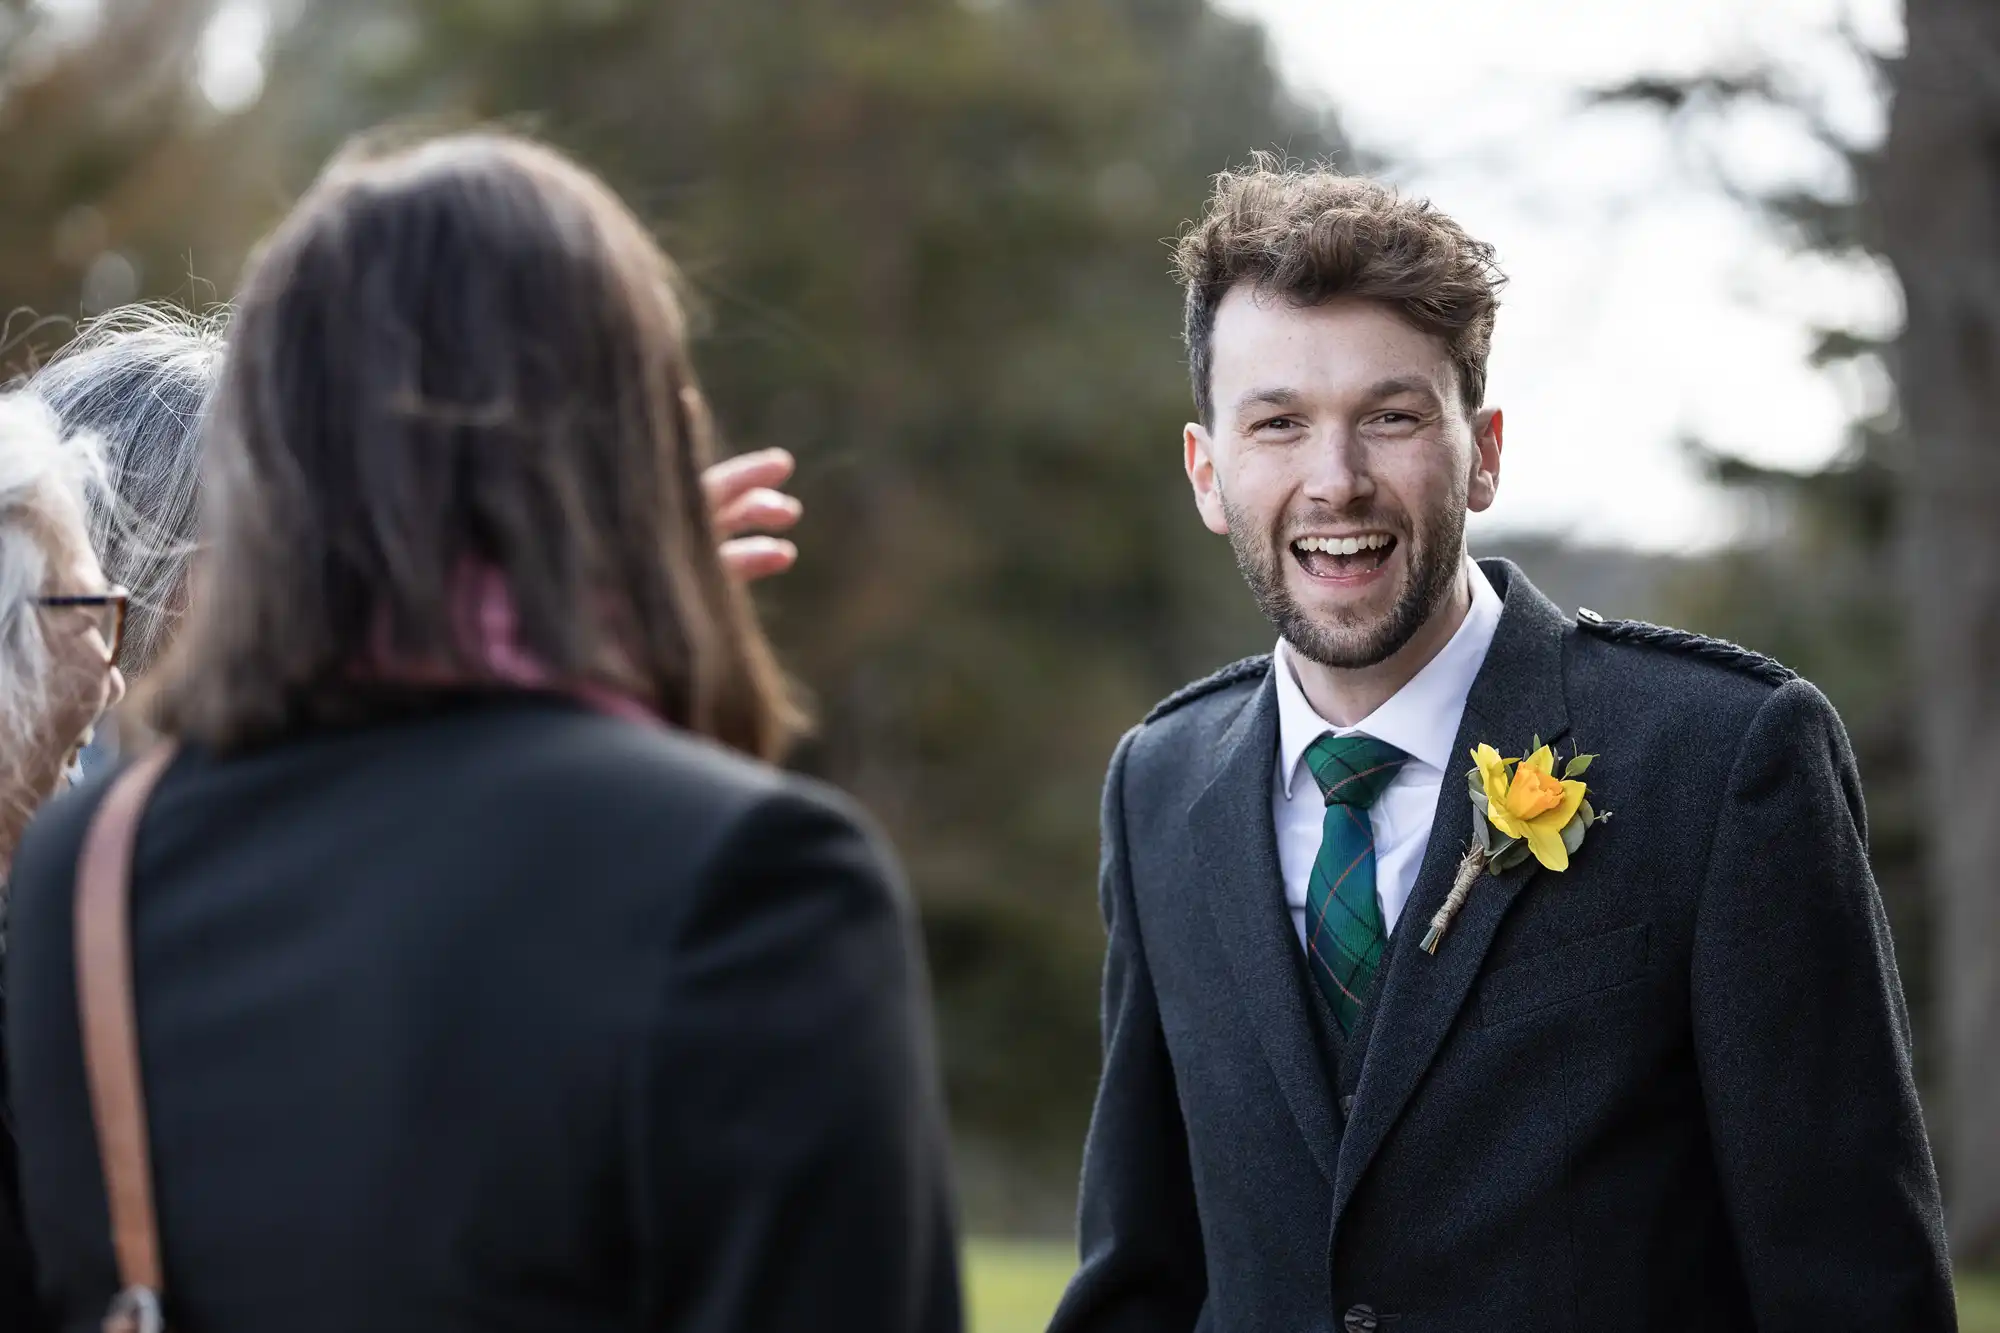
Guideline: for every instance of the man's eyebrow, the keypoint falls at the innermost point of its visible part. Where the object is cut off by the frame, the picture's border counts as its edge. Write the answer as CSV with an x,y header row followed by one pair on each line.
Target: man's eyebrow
x,y
1275,396
1395,384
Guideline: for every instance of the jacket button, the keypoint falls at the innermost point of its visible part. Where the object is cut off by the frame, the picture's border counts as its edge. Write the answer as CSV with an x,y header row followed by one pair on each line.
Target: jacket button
x,y
1360,1319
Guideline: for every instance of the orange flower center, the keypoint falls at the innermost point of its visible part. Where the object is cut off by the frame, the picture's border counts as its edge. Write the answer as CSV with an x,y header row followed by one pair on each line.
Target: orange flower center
x,y
1532,793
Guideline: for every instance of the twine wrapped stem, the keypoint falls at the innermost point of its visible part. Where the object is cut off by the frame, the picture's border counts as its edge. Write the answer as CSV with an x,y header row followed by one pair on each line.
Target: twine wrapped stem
x,y
1469,871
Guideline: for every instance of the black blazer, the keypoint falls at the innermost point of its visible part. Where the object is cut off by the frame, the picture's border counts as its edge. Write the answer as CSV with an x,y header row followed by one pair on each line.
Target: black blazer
x,y
17,1267
1669,1089
514,1018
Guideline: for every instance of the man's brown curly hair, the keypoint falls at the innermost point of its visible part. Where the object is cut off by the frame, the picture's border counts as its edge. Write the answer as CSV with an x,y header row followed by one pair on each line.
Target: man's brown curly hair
x,y
1310,234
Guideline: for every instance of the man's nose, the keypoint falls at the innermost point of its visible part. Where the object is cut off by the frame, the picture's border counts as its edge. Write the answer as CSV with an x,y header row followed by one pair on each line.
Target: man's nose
x,y
1337,470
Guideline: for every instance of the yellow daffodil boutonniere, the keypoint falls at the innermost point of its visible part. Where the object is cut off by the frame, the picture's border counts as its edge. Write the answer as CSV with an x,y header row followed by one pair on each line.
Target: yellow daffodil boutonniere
x,y
1520,808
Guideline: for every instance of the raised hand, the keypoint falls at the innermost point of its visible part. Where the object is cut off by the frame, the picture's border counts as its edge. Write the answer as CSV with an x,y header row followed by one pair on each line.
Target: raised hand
x,y
744,502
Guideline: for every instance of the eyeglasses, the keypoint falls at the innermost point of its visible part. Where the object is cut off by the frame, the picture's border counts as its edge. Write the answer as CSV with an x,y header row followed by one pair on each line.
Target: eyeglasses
x,y
108,607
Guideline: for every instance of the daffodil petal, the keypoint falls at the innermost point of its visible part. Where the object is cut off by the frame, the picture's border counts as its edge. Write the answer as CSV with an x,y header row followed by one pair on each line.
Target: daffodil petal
x,y
1543,759
1493,775
1572,801
1488,759
1545,841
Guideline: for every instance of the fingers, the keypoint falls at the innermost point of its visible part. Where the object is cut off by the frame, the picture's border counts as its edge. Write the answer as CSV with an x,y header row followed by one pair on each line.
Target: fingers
x,y
758,511
743,497
753,558
732,478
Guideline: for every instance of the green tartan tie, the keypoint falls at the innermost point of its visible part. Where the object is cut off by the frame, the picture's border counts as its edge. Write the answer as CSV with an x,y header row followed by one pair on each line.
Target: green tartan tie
x,y
1344,929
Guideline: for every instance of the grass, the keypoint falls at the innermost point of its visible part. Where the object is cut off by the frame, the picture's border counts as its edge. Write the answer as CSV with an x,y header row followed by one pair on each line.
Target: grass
x,y
1979,1303
1012,1287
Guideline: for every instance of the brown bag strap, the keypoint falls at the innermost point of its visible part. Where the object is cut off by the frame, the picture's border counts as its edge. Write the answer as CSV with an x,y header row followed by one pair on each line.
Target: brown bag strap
x,y
111,1037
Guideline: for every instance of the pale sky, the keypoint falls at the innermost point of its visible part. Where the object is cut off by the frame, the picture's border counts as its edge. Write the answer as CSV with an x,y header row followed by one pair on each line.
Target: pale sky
x,y
1643,306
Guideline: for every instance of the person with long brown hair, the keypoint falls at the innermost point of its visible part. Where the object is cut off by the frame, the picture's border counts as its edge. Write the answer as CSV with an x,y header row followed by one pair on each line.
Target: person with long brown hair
x,y
486,974
137,379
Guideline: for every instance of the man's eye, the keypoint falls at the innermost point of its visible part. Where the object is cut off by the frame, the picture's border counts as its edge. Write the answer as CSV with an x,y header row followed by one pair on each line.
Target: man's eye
x,y
1279,423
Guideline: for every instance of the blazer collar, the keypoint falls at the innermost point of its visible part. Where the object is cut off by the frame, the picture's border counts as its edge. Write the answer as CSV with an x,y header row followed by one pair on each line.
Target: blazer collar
x,y
1517,695
1237,846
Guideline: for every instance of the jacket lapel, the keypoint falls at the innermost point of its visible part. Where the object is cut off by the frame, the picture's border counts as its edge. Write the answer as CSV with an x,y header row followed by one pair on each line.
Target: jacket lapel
x,y
1237,844
1517,695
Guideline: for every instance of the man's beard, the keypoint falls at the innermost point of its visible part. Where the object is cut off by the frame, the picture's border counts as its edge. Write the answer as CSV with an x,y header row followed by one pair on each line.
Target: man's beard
x,y
1432,561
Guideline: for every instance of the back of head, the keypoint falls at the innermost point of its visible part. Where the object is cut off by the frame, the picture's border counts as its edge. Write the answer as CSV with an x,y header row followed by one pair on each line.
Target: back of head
x,y
458,364
139,379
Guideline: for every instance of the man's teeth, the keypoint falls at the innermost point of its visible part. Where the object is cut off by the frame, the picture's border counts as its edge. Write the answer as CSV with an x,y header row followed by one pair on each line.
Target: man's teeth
x,y
1374,541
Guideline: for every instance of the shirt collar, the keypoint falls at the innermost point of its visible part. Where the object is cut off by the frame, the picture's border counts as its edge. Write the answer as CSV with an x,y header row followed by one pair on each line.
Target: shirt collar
x,y
1422,718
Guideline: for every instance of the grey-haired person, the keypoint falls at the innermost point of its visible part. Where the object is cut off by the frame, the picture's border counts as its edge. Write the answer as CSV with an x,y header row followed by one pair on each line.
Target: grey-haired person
x,y
58,632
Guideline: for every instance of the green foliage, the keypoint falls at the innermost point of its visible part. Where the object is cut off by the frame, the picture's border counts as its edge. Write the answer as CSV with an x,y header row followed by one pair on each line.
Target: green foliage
x,y
926,240
929,240
120,182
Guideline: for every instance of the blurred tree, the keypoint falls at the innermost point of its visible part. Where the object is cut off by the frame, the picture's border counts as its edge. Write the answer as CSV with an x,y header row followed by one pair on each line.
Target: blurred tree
x,y
1885,586
120,180
1936,211
929,237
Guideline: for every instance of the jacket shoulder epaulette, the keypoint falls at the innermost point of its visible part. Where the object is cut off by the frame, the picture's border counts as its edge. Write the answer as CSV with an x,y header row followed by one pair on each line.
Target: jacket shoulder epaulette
x,y
1234,673
1719,651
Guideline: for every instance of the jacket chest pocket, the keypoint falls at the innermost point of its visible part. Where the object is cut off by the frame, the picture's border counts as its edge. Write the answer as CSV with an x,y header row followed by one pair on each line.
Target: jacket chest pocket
x,y
1568,972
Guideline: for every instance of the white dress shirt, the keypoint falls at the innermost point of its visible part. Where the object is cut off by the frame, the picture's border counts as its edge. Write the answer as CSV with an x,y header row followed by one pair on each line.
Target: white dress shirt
x,y
1421,720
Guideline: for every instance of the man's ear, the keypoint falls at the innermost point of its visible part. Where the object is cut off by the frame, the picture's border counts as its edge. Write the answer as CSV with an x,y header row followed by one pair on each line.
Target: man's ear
x,y
1487,430
1199,447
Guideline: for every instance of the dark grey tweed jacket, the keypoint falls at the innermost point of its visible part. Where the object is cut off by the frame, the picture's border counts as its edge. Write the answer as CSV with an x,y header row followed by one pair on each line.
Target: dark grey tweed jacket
x,y
1669,1089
